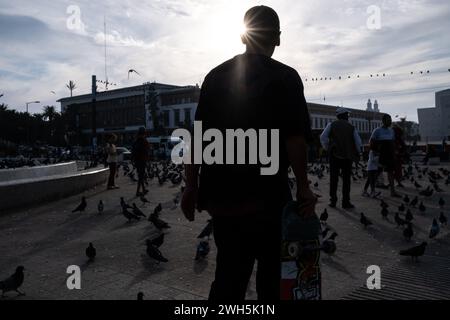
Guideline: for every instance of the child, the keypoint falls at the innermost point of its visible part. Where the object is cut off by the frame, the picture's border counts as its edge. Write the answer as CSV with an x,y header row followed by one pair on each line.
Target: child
x,y
372,175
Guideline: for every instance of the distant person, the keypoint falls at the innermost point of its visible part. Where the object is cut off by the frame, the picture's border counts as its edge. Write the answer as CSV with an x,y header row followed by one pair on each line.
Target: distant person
x,y
382,142
251,91
400,155
111,160
372,175
343,144
140,155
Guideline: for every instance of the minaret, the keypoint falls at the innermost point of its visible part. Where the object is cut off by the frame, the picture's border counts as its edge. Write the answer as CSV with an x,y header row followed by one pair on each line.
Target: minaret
x,y
369,106
375,106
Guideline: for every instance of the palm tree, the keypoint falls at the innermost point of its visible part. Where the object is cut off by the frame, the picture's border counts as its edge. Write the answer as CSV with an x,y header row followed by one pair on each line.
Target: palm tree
x,y
71,86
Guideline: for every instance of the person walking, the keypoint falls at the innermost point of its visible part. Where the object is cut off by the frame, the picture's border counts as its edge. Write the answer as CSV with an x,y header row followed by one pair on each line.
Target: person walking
x,y
139,155
111,160
372,175
251,91
382,142
343,143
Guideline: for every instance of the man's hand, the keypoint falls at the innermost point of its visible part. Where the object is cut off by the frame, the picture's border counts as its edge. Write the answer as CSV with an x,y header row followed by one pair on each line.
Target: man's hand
x,y
188,202
306,200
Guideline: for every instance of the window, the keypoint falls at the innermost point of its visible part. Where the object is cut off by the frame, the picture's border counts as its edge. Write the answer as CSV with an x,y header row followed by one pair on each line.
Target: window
x,y
187,116
166,118
177,117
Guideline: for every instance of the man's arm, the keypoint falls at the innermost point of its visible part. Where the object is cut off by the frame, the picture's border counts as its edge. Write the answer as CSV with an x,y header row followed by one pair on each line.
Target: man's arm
x,y
297,152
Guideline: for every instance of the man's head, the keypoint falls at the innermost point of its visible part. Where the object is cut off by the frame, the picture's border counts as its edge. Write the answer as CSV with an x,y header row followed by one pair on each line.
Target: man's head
x,y
342,114
262,30
387,120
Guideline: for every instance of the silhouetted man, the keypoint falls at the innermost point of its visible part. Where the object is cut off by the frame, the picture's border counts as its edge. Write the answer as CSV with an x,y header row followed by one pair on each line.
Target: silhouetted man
x,y
343,144
251,91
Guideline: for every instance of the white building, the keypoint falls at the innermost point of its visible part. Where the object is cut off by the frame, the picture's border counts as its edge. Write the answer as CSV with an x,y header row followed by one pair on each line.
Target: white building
x,y
434,123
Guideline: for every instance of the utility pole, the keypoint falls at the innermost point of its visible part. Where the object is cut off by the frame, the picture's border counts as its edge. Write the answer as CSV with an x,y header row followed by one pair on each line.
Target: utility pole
x,y
94,113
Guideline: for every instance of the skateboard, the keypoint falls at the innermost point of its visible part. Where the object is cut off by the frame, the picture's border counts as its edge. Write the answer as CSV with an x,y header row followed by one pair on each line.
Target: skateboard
x,y
300,255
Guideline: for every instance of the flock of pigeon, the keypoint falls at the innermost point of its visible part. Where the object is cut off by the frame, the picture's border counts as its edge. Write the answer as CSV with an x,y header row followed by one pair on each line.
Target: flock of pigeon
x,y
166,172
403,216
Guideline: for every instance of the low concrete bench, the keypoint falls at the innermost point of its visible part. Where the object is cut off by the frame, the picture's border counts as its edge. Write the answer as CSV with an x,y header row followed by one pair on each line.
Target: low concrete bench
x,y
38,171
24,192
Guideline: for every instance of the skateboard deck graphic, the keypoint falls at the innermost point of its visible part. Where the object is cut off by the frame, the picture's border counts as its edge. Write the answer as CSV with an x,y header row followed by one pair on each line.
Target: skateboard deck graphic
x,y
300,255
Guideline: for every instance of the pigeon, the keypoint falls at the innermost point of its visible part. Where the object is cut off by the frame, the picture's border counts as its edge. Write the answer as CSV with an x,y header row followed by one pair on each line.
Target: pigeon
x,y
324,216
129,215
158,209
82,206
137,212
441,202
100,207
154,252
414,202
325,232
140,296
384,213
409,216
157,222
417,185
333,236
434,231
207,231
414,252
144,199
399,221
316,185
401,208
131,71
408,232
428,192
422,207
91,252
443,219
365,221
384,204
202,250
158,241
14,282
124,205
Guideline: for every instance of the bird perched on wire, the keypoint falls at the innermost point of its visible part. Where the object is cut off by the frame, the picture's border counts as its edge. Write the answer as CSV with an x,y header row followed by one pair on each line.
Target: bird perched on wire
x,y
14,282
100,207
137,212
91,252
207,230
202,250
82,206
132,71
365,221
408,232
154,253
434,230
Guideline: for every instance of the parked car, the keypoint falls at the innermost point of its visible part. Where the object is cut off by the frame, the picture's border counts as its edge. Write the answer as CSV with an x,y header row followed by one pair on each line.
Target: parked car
x,y
123,154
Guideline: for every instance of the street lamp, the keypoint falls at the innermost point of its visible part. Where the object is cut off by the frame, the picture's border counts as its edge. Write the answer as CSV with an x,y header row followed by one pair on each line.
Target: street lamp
x,y
31,103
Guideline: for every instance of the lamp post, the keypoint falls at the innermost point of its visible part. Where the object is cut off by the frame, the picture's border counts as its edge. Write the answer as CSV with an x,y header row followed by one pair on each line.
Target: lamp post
x,y
31,103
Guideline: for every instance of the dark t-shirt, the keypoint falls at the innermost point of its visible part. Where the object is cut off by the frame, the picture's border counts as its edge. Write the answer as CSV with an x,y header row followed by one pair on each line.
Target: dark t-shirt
x,y
140,151
250,91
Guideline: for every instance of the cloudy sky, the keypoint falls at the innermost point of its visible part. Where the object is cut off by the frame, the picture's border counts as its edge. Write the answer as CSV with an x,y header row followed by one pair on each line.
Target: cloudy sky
x,y
46,43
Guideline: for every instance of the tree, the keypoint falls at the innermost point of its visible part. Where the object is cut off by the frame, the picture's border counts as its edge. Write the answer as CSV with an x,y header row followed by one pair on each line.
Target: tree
x,y
71,86
49,113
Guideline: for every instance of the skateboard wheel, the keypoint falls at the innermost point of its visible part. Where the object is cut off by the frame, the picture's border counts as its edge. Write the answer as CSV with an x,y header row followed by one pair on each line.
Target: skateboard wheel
x,y
294,249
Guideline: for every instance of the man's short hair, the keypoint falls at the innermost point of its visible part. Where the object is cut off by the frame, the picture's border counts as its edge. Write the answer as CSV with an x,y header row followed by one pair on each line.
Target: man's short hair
x,y
263,25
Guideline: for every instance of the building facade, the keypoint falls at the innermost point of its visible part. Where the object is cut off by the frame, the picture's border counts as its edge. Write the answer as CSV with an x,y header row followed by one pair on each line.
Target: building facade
x,y
434,123
161,108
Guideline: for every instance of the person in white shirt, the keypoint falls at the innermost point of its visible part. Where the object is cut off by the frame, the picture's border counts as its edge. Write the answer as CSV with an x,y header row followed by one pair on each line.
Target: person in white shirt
x,y
372,175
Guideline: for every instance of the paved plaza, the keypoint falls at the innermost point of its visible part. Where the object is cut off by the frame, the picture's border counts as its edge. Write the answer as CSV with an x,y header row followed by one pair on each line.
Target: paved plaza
x,y
48,238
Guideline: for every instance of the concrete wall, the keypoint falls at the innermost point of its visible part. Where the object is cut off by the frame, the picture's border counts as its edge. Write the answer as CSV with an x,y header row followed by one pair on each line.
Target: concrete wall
x,y
38,171
21,193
